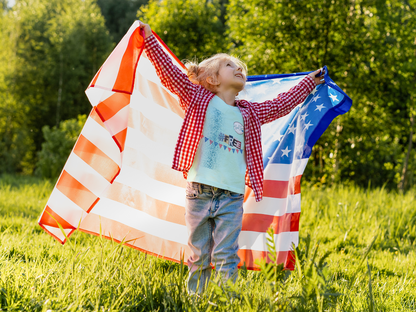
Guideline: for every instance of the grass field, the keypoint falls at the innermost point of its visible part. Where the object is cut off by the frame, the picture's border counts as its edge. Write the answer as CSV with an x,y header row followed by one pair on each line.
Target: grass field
x,y
357,253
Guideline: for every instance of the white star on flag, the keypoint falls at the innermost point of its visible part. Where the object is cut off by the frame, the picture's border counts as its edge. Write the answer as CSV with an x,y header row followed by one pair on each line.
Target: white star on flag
x,y
334,97
277,80
319,107
277,137
308,125
303,117
314,91
286,151
292,129
316,98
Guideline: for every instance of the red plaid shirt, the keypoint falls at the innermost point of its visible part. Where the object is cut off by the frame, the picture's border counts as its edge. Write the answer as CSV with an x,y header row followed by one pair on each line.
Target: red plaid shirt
x,y
194,100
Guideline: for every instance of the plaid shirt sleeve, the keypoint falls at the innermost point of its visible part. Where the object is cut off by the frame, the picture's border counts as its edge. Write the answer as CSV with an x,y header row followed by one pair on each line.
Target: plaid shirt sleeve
x,y
171,76
285,102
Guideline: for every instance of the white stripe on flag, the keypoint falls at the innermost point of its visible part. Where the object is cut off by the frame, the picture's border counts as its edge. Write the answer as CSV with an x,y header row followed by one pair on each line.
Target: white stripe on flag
x,y
86,175
141,221
273,206
149,166
156,113
158,190
57,231
118,122
97,95
162,153
283,172
147,70
100,137
257,240
65,208
294,237
157,131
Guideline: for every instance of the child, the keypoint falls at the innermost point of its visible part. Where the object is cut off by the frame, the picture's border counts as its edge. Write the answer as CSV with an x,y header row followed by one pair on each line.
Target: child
x,y
216,177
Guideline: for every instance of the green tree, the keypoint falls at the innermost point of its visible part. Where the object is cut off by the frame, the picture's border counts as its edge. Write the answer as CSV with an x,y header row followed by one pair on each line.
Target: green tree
x,y
190,28
55,48
16,144
382,81
58,144
119,15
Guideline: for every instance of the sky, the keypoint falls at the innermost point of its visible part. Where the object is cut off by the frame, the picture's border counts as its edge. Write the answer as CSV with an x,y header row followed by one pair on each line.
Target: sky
x,y
10,3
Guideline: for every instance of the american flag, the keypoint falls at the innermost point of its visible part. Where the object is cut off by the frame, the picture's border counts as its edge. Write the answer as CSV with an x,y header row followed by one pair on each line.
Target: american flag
x,y
118,181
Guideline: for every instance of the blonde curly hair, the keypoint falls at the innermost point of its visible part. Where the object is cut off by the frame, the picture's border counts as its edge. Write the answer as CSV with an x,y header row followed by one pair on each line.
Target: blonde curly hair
x,y
198,73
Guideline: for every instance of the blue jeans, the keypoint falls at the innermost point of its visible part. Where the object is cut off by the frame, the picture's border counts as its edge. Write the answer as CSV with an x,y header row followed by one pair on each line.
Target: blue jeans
x,y
214,220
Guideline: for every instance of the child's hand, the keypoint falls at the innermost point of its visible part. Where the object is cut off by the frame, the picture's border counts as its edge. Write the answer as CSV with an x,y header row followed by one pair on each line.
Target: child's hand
x,y
318,80
146,28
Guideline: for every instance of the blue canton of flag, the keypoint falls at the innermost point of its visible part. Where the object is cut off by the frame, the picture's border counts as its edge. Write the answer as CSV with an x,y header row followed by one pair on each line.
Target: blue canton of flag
x,y
293,136
287,144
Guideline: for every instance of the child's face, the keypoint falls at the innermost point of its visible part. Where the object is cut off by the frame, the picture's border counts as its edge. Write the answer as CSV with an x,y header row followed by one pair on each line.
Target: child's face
x,y
231,76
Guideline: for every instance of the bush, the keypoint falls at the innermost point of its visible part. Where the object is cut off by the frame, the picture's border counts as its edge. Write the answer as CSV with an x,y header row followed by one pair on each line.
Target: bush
x,y
57,146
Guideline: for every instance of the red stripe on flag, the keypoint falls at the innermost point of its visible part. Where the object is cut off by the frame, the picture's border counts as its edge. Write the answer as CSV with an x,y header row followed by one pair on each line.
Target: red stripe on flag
x,y
289,222
290,261
75,191
142,241
94,115
120,139
53,235
49,217
248,193
281,189
96,158
126,73
112,105
249,257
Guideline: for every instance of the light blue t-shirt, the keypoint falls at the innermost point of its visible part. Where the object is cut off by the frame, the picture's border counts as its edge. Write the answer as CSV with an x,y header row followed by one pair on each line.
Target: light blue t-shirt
x,y
220,158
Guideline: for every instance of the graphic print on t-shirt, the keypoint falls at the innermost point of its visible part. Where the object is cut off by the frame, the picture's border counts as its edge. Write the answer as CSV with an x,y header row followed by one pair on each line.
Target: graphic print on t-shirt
x,y
238,127
215,137
230,140
208,159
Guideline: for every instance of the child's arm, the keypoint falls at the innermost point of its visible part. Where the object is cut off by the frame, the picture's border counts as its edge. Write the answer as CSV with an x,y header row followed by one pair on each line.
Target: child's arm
x,y
170,75
285,102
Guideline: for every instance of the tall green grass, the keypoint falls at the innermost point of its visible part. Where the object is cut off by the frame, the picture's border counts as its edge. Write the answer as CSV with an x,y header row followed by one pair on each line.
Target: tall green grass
x,y
357,253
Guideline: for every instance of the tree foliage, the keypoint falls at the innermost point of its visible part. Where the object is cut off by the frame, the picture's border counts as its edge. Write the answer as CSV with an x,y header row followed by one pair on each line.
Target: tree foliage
x,y
54,48
190,28
119,15
16,144
58,144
